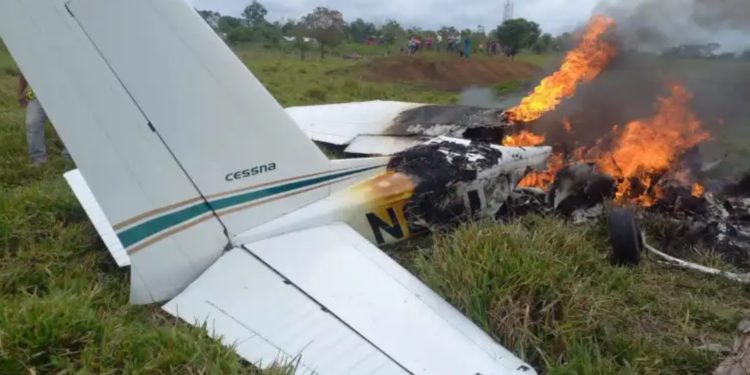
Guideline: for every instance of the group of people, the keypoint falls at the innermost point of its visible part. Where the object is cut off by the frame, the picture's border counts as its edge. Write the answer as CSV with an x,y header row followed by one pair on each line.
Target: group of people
x,y
456,44
415,44
36,118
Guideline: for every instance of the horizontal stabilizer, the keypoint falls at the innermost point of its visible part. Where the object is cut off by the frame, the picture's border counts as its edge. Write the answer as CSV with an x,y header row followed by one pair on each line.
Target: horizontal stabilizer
x,y
98,218
341,305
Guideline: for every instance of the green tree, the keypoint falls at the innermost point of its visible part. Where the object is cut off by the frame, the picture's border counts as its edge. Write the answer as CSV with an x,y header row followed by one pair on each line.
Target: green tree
x,y
543,44
228,23
326,26
359,30
212,18
255,14
300,38
391,32
518,34
287,29
562,42
269,33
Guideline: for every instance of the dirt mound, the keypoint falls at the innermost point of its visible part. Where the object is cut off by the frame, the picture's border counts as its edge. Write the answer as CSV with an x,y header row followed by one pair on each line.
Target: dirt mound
x,y
449,74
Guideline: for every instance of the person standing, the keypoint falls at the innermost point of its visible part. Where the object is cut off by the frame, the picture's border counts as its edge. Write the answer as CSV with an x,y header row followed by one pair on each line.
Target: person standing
x,y
467,47
36,118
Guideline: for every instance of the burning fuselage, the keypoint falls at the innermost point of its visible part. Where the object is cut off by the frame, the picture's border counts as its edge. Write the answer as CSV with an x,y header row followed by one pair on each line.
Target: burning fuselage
x,y
428,187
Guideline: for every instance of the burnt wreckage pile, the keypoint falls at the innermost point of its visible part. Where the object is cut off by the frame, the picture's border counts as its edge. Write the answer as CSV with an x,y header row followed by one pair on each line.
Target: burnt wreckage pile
x,y
719,219
455,180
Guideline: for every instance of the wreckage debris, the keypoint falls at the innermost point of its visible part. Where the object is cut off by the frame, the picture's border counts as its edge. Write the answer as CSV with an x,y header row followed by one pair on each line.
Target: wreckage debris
x,y
442,172
580,187
472,123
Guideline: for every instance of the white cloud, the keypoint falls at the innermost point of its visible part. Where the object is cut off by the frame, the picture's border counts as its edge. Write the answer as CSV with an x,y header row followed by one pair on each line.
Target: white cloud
x,y
555,16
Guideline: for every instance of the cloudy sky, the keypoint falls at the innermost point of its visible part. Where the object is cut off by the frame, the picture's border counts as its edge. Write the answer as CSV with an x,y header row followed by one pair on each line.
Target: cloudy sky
x,y
555,16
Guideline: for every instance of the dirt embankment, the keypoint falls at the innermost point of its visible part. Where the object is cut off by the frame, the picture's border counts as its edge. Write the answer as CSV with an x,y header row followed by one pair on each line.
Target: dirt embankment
x,y
449,74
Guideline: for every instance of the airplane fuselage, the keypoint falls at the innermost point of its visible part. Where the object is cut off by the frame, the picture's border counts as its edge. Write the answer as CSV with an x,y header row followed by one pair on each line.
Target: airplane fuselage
x,y
425,188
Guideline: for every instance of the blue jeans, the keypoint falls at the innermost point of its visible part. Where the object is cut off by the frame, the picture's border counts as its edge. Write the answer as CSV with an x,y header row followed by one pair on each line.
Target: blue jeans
x,y
36,118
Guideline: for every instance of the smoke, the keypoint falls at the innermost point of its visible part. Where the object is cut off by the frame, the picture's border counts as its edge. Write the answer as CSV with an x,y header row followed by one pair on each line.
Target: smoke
x,y
653,25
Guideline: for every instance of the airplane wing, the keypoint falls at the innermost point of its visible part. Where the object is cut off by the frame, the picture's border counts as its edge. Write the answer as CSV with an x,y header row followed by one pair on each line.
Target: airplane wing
x,y
339,305
387,127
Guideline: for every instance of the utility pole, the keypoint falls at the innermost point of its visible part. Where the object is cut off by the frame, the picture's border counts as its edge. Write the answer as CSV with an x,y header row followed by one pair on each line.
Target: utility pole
x,y
508,12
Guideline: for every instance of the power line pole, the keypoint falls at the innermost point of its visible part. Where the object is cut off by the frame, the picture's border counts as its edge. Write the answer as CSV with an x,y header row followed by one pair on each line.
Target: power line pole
x,y
508,12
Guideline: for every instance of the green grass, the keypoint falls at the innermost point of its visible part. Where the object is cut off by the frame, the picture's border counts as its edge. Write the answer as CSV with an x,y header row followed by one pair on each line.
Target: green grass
x,y
545,289
540,287
293,81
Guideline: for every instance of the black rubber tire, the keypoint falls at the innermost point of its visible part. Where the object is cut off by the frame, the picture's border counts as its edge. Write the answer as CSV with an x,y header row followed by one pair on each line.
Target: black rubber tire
x,y
625,238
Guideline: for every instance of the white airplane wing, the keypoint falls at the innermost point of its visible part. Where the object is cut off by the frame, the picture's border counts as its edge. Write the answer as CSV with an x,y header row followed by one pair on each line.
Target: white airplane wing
x,y
340,124
340,305
388,127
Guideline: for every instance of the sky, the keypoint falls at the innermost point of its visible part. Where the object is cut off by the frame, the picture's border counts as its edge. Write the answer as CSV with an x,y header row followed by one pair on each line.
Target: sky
x,y
555,16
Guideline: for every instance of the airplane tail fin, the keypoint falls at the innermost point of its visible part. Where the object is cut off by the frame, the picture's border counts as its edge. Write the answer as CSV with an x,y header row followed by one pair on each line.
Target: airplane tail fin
x,y
181,145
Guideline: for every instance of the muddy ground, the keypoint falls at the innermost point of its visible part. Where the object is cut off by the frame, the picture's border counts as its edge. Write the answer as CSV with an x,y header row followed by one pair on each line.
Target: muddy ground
x,y
449,74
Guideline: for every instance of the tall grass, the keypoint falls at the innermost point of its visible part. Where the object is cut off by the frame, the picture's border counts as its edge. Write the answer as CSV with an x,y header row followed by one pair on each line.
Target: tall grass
x,y
545,289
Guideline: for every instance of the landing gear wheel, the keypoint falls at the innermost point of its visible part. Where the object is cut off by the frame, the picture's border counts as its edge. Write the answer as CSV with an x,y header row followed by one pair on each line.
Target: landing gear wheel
x,y
625,238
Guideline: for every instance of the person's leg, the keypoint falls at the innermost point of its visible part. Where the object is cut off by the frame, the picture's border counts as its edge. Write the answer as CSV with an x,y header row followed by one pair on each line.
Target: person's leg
x,y
35,120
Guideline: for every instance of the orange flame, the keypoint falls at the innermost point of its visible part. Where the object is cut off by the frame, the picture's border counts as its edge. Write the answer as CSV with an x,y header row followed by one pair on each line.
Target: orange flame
x,y
582,64
544,179
698,190
523,139
647,148
640,152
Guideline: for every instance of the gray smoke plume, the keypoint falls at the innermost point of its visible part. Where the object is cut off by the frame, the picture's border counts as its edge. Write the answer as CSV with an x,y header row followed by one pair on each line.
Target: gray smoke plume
x,y
653,25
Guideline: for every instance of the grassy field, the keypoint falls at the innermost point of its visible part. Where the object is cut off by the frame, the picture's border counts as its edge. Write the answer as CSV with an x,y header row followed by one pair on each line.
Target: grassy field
x,y
541,287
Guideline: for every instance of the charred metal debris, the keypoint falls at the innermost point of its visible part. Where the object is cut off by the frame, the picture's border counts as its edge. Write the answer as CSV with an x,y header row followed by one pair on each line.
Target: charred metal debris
x,y
455,181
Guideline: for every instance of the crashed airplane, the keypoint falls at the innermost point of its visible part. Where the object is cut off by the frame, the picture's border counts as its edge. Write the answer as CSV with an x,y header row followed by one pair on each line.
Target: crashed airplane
x,y
223,208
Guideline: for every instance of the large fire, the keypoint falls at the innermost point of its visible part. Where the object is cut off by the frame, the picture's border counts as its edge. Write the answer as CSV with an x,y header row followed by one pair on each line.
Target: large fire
x,y
638,154
583,64
645,149
524,138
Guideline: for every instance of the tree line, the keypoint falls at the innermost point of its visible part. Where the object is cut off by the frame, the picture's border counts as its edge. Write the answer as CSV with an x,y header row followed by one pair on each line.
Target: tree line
x,y
327,29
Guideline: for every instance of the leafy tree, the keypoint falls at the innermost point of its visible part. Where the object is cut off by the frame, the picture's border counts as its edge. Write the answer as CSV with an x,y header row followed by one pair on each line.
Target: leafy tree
x,y
562,42
326,26
212,18
414,31
228,23
543,44
240,34
255,14
287,29
447,31
518,34
359,30
300,34
391,32
269,33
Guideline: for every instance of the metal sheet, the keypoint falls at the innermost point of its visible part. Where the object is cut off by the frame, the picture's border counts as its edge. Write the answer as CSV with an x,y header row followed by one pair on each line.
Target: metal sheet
x,y
339,124
376,297
381,145
247,305
97,217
